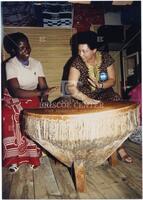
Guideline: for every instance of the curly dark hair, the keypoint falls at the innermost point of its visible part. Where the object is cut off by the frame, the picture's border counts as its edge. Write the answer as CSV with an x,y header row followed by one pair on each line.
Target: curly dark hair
x,y
87,37
11,42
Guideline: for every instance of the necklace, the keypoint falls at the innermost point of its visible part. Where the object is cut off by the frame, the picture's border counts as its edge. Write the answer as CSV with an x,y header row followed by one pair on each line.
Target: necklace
x,y
94,70
25,63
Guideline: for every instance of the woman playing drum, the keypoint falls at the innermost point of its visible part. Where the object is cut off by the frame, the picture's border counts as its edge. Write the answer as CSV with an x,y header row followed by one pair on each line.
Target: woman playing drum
x,y
91,77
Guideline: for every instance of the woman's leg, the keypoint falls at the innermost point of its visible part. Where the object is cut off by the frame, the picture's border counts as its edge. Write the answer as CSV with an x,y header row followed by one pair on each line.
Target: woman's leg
x,y
123,155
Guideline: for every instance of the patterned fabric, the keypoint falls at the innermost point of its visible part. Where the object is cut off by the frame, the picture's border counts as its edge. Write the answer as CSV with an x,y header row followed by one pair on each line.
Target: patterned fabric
x,y
57,14
51,14
17,13
17,148
136,135
85,15
83,84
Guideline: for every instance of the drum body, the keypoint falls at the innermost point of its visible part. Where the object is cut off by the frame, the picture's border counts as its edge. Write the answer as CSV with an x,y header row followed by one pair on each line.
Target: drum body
x,y
83,134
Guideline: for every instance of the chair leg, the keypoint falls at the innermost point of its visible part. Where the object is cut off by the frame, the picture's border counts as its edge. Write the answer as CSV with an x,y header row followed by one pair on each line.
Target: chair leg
x,y
113,159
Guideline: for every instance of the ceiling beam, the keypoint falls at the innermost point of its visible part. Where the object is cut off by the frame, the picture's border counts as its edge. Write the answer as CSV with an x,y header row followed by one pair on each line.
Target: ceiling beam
x,y
121,3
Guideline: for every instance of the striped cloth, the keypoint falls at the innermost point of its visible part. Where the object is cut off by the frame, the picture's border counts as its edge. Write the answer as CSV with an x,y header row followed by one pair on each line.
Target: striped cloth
x,y
57,14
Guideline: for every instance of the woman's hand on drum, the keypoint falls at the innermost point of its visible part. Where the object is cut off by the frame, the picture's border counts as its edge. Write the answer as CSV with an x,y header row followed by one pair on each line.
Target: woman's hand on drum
x,y
89,101
50,90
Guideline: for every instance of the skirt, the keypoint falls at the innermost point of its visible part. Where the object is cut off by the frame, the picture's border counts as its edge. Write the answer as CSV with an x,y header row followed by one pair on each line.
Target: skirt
x,y
17,148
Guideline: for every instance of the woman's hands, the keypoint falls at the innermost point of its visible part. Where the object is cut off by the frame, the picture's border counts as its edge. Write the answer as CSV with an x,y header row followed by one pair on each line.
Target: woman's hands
x,y
49,90
89,101
46,92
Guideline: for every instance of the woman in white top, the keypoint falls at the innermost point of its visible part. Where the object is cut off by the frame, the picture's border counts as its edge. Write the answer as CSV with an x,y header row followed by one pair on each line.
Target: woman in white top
x,y
26,84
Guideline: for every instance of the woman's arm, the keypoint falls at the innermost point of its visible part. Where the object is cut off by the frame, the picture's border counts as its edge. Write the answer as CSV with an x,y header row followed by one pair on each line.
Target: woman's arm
x,y
44,87
106,84
73,79
111,77
17,92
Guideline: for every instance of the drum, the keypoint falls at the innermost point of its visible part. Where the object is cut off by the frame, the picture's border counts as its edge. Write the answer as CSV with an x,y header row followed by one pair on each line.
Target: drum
x,y
84,133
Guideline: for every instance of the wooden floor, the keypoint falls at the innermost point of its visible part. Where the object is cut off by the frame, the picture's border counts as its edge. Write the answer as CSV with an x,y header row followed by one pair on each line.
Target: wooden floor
x,y
53,181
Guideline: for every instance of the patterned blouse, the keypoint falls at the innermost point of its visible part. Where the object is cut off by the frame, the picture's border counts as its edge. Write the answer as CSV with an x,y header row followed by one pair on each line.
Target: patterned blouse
x,y
84,85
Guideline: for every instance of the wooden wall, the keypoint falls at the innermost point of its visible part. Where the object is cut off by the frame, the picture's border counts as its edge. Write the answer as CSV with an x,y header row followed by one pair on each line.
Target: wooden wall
x,y
51,47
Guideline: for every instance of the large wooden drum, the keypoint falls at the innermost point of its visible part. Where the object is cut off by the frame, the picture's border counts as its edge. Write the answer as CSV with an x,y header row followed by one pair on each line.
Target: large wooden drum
x,y
82,134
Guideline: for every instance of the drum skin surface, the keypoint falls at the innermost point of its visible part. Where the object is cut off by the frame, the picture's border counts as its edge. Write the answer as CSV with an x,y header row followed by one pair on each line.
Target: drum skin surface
x,y
82,134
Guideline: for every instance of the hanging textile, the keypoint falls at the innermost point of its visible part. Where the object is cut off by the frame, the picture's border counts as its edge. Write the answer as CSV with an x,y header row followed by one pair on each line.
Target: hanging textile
x,y
57,14
85,15
17,14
